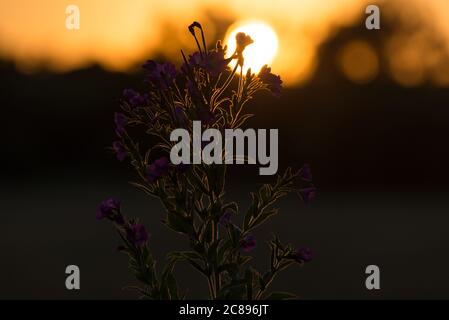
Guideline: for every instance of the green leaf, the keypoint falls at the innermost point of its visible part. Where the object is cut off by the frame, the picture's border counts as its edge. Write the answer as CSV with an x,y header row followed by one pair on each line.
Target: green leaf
x,y
168,286
212,252
233,291
243,119
262,283
264,216
205,235
231,268
223,250
194,259
172,287
148,190
217,175
192,255
244,259
235,234
281,296
179,223
266,196
233,206
198,181
216,210
252,210
265,279
180,202
249,284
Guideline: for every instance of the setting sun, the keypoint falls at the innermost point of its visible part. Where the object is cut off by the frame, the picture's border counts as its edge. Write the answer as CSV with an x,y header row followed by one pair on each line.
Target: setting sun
x,y
264,48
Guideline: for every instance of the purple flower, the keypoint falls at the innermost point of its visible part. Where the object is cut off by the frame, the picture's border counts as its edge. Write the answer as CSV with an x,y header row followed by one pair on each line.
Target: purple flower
x,y
306,173
194,92
195,59
184,68
108,209
137,234
158,169
120,151
225,219
215,62
248,243
160,74
134,98
120,122
182,167
272,81
307,194
242,40
303,255
181,116
205,116
129,93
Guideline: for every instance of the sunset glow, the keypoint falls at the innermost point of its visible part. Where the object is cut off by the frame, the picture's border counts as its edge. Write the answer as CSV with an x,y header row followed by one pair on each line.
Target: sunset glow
x,y
259,53
288,35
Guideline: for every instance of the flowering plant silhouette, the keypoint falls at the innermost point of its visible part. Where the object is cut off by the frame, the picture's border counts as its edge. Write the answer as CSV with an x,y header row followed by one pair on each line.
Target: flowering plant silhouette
x,y
193,196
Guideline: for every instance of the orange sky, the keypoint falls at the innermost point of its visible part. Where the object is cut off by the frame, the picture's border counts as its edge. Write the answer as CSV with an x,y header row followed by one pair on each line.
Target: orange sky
x,y
120,34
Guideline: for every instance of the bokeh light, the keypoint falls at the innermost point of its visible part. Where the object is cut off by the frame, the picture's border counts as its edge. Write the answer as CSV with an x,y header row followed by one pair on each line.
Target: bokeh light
x,y
359,62
119,35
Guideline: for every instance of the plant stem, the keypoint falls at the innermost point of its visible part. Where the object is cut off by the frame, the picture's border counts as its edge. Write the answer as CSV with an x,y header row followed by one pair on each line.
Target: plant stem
x,y
277,268
216,95
211,288
216,274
